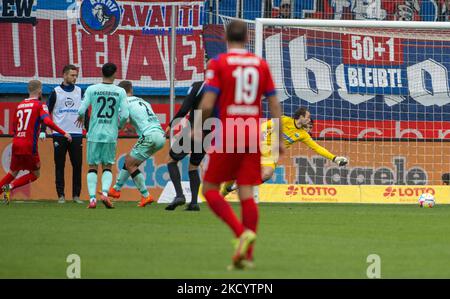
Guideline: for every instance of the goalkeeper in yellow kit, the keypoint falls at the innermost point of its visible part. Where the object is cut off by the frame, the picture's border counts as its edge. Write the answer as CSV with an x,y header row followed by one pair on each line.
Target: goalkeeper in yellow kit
x,y
295,129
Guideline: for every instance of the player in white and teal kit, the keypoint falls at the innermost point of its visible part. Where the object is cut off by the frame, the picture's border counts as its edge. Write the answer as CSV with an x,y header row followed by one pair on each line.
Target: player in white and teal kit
x,y
151,139
109,113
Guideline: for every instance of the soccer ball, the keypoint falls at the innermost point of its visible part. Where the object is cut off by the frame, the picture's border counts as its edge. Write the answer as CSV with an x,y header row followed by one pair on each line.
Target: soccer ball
x,y
426,200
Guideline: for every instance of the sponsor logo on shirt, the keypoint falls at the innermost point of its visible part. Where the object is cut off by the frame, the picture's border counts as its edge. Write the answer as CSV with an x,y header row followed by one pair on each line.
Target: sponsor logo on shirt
x,y
69,102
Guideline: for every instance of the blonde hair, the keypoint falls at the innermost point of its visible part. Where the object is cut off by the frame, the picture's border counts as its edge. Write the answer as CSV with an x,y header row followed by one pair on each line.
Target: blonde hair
x,y
34,86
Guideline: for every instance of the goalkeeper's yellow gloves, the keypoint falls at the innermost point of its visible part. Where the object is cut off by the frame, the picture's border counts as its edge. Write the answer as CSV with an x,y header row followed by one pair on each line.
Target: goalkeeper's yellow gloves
x,y
340,161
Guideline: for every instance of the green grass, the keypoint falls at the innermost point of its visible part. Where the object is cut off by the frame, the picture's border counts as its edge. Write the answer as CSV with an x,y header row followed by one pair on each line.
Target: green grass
x,y
294,241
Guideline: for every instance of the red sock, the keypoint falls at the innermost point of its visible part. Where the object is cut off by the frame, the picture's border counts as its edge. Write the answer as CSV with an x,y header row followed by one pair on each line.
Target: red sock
x,y
224,211
8,178
249,219
23,180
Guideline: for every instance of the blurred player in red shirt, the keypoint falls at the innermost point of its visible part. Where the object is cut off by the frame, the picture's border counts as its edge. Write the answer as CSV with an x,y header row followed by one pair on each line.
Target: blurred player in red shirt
x,y
29,115
235,84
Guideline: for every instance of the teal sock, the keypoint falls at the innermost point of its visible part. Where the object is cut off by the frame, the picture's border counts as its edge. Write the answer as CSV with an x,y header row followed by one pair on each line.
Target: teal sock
x,y
106,180
139,181
121,179
92,183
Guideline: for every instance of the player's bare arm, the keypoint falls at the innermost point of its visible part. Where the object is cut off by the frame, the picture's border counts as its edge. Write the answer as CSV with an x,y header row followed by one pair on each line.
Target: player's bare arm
x,y
49,123
83,108
79,122
124,112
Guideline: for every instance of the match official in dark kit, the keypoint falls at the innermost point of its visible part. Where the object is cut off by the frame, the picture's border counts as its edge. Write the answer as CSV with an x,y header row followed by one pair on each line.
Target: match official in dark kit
x,y
190,104
63,105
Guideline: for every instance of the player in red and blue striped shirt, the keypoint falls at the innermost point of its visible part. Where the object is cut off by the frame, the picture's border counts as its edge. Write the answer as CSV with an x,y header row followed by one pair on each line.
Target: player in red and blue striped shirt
x,y
234,86
29,115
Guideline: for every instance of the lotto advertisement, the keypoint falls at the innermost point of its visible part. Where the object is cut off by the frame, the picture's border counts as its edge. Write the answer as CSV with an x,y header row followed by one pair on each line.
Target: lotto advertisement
x,y
40,37
349,194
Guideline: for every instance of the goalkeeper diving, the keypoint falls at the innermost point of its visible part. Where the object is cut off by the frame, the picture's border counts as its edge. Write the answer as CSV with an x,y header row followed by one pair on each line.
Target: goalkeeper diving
x,y
294,129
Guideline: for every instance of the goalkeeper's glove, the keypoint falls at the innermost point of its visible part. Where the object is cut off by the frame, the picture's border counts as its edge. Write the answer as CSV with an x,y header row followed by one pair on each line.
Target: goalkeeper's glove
x,y
340,161
42,136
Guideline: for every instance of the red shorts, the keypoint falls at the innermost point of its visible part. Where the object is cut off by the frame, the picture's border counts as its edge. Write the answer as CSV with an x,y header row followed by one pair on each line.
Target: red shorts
x,y
25,162
245,168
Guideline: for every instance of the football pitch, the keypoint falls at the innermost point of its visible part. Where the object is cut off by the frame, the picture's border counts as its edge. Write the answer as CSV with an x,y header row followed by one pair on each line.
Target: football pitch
x,y
294,241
